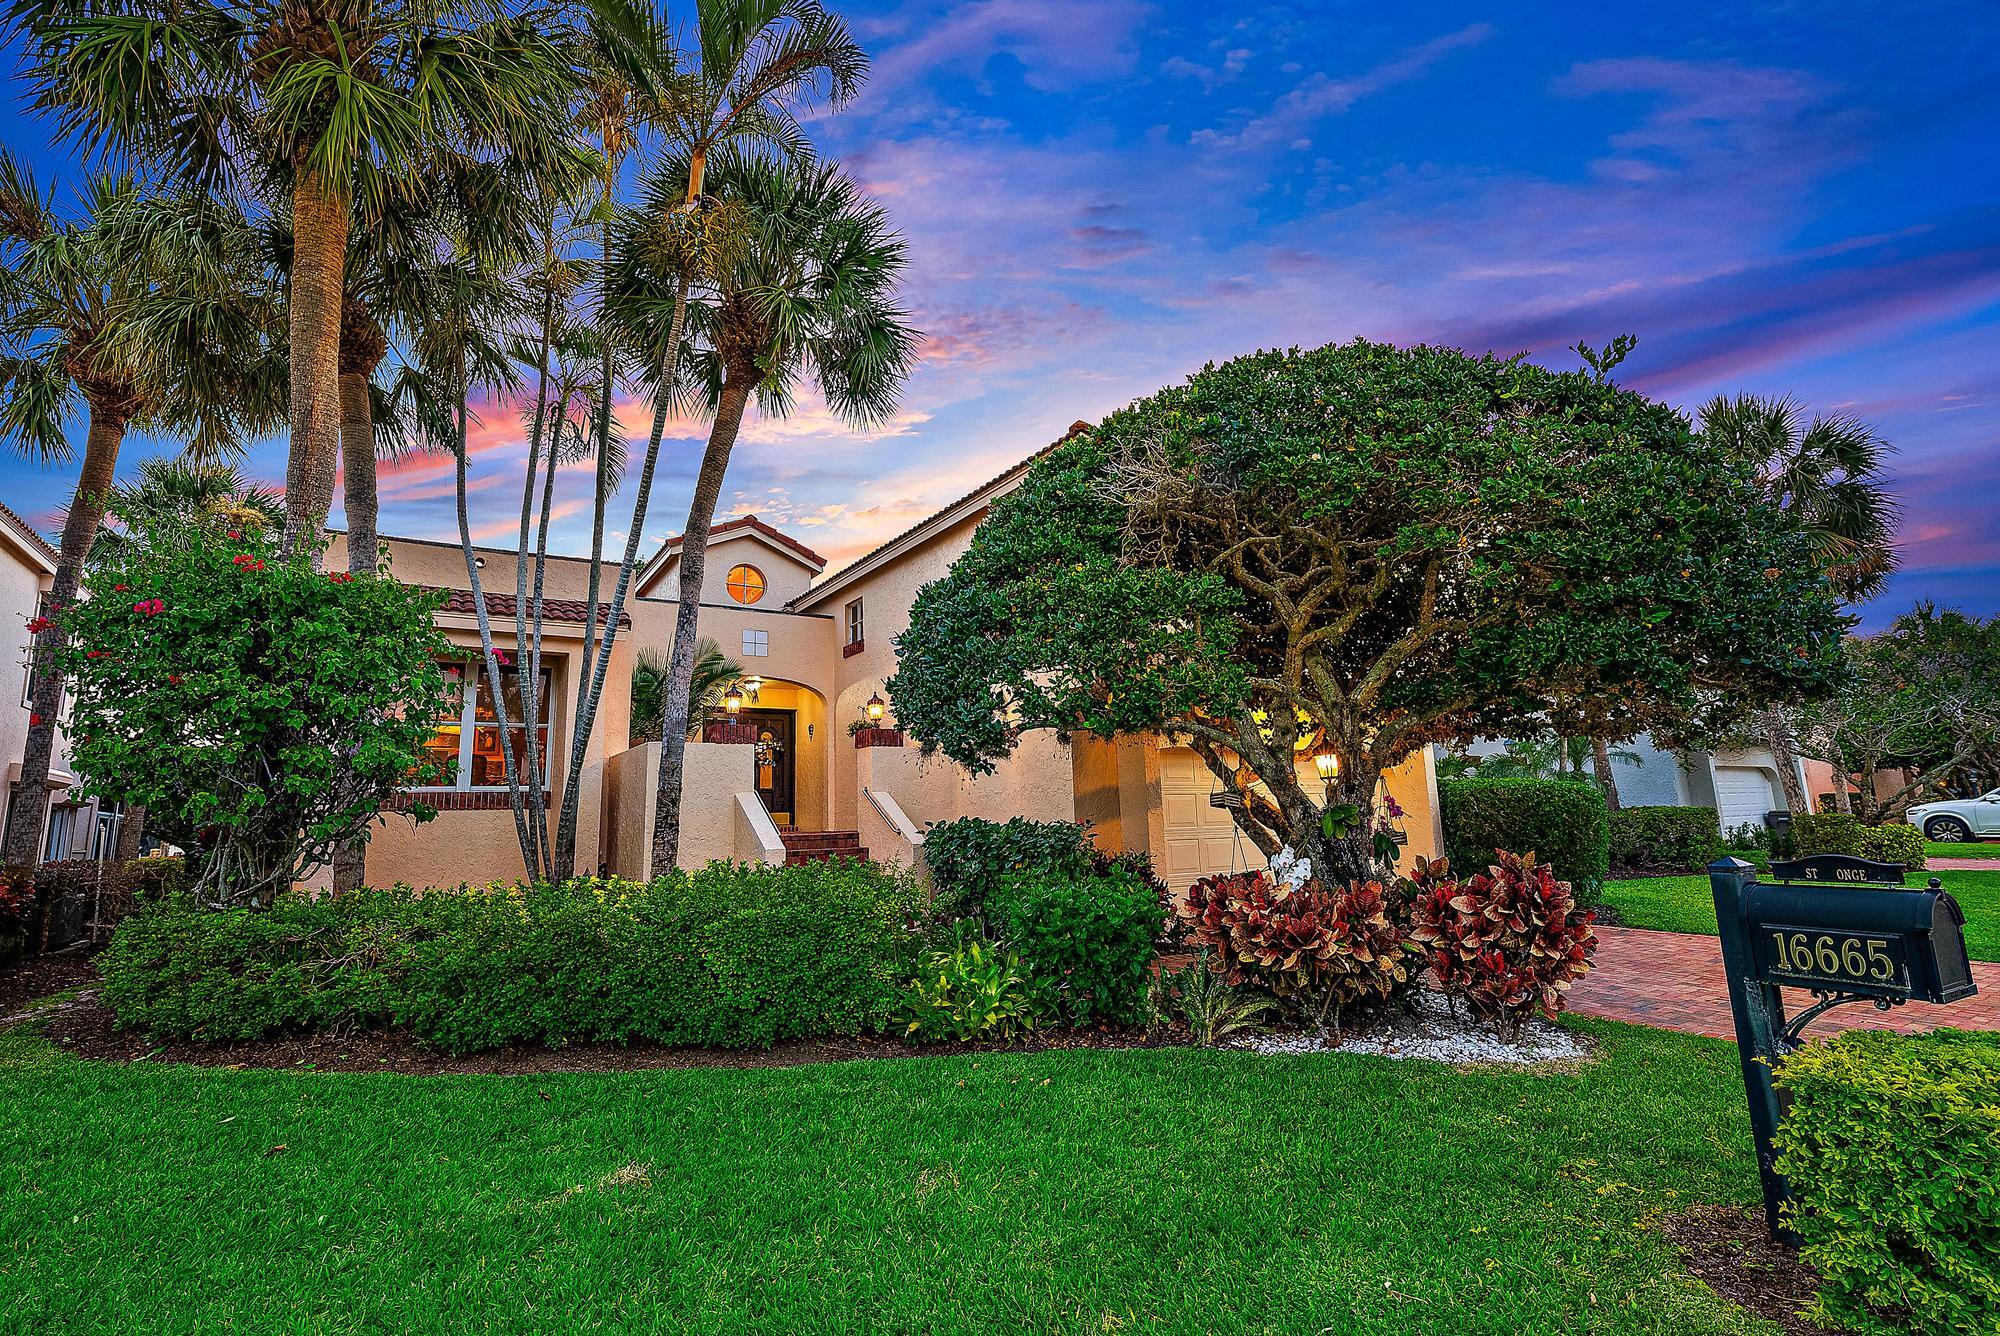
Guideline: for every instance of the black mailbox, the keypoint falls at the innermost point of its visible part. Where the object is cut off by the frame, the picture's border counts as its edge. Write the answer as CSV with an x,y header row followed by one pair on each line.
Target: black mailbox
x,y
1906,945
1824,929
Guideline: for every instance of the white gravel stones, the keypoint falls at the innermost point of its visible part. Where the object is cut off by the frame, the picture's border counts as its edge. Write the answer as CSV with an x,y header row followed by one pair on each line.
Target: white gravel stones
x,y
1435,1035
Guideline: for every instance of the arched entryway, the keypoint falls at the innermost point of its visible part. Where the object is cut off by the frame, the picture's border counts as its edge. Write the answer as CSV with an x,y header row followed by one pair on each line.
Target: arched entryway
x,y
789,769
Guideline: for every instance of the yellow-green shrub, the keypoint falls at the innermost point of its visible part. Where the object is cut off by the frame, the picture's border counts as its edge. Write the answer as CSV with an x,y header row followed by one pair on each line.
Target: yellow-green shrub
x,y
1892,1146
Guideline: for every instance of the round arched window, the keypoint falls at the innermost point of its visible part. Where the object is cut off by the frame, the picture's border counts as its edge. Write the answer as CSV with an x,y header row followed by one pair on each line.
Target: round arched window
x,y
745,584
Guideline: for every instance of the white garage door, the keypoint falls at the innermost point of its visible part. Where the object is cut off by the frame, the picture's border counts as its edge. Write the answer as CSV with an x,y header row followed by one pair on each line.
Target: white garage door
x,y
1200,839
1742,795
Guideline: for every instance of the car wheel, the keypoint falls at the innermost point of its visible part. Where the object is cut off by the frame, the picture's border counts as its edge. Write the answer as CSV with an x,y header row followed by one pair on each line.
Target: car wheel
x,y
1947,830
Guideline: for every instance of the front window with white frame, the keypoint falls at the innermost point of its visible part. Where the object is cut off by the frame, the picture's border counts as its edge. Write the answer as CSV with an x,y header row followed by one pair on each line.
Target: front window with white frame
x,y
756,644
465,749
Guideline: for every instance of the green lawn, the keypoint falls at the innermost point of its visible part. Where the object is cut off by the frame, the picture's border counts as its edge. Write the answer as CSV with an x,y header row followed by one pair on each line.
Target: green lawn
x,y
1969,849
1161,1191
1684,904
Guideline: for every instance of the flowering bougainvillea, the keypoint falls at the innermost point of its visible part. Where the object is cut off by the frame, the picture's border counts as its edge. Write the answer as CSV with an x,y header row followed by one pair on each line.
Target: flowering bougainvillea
x,y
1318,949
262,713
1509,940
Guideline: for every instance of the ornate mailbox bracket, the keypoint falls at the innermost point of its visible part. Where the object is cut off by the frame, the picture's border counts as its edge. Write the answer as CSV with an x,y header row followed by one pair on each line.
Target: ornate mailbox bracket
x,y
1843,929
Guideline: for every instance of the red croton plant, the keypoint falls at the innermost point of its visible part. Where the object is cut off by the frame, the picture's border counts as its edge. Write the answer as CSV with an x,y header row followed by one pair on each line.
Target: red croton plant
x,y
1319,949
1508,940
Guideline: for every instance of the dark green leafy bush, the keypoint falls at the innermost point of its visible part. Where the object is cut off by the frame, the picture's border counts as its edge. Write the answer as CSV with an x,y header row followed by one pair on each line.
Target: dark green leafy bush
x,y
1664,839
1843,833
732,956
1562,822
1892,1147
968,857
1085,940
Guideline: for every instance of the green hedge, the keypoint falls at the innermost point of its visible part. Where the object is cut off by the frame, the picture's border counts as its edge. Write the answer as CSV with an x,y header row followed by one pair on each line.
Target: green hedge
x,y
732,956
1085,941
1664,839
1562,821
1843,833
1892,1147
967,858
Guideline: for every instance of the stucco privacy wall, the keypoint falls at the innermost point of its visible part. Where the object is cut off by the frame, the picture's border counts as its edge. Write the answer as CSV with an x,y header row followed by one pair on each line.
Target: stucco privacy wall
x,y
713,775
24,573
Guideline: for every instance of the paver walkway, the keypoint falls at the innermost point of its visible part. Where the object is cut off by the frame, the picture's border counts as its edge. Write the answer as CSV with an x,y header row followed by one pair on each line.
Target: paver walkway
x,y
1962,865
1674,980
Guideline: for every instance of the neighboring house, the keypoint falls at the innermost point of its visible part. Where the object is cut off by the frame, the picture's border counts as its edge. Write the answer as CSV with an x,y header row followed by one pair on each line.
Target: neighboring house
x,y
1741,784
789,779
76,827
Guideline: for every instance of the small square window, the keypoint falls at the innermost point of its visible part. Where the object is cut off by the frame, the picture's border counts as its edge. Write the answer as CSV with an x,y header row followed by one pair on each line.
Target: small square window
x,y
756,644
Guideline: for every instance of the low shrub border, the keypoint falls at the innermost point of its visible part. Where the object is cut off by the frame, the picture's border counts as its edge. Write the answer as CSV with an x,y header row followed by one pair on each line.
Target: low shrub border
x,y
1658,840
1843,833
731,956
1563,822
1892,1148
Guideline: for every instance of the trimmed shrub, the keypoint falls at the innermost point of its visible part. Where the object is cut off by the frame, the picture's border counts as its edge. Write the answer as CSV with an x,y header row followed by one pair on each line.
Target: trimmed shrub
x,y
1892,1146
732,956
1897,842
968,857
1664,839
1509,941
1561,821
1319,950
1843,833
976,990
1085,941
1826,833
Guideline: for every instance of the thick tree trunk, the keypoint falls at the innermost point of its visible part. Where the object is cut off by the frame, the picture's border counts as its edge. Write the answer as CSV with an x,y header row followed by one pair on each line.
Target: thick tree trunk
x,y
28,808
679,688
131,832
1600,763
1777,731
319,255
361,348
1843,801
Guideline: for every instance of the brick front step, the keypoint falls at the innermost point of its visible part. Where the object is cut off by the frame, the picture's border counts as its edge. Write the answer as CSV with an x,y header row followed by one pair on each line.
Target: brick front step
x,y
810,846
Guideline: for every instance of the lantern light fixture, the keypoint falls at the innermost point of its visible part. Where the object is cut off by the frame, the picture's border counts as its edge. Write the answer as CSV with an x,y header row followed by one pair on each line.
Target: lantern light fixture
x,y
732,701
1328,765
876,708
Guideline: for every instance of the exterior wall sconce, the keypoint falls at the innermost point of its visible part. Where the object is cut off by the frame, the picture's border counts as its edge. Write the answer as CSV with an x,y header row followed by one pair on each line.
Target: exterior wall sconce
x,y
732,701
876,708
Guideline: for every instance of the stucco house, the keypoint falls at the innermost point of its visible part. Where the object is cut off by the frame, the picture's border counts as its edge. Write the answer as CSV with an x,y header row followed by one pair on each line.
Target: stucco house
x,y
789,779
76,827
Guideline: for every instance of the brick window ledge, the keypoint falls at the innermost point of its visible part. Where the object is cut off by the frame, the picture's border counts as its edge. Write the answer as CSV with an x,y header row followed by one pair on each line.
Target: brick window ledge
x,y
852,648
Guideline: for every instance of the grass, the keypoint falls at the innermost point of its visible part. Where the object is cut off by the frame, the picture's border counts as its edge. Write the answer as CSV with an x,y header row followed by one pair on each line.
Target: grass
x,y
1685,904
1159,1191
1970,849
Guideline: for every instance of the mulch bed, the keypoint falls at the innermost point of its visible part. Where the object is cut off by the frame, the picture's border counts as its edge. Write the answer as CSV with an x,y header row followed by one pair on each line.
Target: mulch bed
x,y
1729,1249
38,976
86,1028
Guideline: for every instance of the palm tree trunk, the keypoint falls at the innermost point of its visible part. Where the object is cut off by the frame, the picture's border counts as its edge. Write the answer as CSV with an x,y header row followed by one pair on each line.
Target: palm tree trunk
x,y
319,255
492,660
28,807
687,615
527,652
1600,763
357,468
1777,731
593,690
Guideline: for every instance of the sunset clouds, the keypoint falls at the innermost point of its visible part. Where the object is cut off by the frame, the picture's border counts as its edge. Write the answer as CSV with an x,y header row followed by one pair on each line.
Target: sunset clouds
x,y
1099,197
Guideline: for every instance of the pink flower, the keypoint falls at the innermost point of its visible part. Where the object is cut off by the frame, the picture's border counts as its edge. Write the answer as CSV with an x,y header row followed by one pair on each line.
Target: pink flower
x,y
150,607
245,562
340,577
121,589
39,625
501,657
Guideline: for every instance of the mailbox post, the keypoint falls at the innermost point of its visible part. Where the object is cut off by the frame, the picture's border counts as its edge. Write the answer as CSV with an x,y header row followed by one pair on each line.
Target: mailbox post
x,y
1842,928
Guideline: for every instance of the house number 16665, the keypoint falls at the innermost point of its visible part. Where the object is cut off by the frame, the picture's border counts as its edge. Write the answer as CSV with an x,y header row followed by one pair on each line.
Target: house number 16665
x,y
1849,957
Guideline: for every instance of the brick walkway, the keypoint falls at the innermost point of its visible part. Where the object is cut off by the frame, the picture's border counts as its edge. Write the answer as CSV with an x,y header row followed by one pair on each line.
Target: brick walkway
x,y
1674,980
1962,865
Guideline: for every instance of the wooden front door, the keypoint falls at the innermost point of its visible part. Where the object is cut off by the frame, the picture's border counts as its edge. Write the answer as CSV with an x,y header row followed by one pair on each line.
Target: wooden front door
x,y
776,761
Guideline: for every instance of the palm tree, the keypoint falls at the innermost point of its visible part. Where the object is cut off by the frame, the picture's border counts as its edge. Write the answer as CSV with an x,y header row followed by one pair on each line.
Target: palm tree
x,y
143,314
313,104
757,60
810,292
713,676
1828,475
168,488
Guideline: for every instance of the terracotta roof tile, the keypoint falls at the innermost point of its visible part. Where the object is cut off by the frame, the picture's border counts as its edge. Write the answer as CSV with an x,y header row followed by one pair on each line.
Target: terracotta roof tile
x,y
502,605
34,534
756,525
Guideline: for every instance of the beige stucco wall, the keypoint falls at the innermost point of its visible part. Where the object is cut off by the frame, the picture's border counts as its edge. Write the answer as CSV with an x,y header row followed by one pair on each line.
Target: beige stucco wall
x,y
24,574
442,565
709,827
786,574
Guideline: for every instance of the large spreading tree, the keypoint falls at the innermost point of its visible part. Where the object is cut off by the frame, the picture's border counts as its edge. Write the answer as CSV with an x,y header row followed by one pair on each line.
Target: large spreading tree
x,y
1367,549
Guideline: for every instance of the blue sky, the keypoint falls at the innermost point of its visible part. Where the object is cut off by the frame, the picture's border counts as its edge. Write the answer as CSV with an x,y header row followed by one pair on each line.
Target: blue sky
x,y
1101,195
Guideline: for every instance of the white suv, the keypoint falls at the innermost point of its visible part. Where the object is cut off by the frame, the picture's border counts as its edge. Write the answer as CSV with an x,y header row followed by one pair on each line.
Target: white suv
x,y
1958,819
